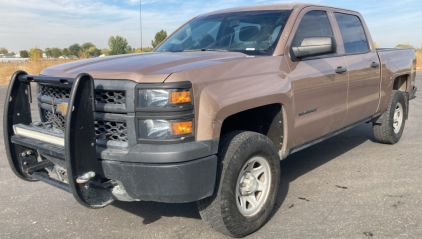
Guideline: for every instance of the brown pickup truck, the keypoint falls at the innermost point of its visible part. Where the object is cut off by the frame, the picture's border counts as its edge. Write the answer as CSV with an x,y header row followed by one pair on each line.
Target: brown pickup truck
x,y
209,114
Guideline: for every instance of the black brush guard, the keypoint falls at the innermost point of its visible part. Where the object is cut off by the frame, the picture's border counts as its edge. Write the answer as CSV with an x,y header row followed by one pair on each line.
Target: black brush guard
x,y
79,152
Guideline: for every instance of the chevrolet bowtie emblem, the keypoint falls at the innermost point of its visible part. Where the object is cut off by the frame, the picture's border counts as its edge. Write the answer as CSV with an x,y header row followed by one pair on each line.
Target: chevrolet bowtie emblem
x,y
62,108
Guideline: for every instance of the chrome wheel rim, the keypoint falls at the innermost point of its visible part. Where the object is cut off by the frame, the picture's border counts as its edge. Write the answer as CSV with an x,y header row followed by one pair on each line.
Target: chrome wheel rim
x,y
253,186
398,118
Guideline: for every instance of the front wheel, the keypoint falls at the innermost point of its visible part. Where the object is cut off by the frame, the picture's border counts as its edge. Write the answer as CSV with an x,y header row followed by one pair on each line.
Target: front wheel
x,y
247,183
392,126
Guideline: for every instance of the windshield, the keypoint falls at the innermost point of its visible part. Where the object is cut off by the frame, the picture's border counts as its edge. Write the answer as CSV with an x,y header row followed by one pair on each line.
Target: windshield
x,y
253,33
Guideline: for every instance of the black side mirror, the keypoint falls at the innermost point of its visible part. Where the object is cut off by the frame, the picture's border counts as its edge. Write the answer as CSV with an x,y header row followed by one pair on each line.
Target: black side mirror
x,y
315,46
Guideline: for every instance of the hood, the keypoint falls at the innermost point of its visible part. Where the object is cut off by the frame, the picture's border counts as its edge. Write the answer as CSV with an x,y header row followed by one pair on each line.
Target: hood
x,y
142,68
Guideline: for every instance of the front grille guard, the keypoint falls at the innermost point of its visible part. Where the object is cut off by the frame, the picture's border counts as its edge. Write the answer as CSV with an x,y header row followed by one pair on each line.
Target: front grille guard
x,y
79,152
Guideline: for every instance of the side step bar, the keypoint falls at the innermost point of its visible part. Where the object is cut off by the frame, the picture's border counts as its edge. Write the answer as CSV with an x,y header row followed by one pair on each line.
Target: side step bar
x,y
79,139
318,140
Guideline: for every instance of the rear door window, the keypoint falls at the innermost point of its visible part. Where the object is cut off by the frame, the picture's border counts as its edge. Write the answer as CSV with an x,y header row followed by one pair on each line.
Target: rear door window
x,y
354,38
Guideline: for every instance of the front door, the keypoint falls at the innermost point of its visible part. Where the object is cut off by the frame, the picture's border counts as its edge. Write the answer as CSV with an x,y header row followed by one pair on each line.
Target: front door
x,y
320,94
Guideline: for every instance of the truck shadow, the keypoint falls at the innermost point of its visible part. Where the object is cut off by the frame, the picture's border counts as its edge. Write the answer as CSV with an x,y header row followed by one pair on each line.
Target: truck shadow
x,y
292,168
304,161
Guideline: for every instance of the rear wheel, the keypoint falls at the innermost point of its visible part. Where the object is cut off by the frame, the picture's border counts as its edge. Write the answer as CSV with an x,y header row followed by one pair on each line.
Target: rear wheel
x,y
392,126
247,184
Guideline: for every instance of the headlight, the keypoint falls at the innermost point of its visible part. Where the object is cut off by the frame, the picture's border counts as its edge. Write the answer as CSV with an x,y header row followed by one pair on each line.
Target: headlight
x,y
165,129
164,98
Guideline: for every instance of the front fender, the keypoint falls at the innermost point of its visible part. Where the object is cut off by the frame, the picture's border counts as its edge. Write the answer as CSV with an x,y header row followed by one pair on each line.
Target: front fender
x,y
227,88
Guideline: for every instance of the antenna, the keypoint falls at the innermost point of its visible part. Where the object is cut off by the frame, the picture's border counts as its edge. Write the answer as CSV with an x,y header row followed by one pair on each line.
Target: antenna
x,y
140,20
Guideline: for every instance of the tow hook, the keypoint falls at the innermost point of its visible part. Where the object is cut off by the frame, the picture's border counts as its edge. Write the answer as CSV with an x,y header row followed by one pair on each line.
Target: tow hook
x,y
85,178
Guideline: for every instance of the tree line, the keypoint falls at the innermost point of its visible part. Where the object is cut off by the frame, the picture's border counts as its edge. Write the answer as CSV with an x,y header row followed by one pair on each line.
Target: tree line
x,y
117,45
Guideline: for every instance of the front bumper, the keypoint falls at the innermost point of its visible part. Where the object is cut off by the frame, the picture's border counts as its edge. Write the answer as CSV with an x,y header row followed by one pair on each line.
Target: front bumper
x,y
171,173
172,183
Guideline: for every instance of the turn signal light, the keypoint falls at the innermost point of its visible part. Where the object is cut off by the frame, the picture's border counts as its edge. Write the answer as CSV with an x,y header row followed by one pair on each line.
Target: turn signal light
x,y
179,97
178,128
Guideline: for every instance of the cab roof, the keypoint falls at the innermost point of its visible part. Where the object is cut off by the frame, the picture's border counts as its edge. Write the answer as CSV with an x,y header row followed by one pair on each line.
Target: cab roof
x,y
276,6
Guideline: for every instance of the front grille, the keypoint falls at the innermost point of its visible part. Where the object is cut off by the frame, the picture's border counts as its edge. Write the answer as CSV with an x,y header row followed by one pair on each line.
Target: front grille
x,y
110,97
55,92
56,121
114,131
109,130
101,96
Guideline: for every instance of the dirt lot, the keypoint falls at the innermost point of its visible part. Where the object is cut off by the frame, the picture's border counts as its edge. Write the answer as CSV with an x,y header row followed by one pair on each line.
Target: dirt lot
x,y
346,187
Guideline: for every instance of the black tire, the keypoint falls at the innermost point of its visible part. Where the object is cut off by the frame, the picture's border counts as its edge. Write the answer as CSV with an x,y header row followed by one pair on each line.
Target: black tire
x,y
220,211
384,132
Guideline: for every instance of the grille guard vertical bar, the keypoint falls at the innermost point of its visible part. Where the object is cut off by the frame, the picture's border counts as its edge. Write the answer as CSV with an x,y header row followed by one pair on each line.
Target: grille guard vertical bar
x,y
17,110
80,145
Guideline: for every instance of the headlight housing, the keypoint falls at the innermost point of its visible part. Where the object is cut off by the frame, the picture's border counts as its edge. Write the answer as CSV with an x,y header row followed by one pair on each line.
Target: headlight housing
x,y
157,129
165,112
164,98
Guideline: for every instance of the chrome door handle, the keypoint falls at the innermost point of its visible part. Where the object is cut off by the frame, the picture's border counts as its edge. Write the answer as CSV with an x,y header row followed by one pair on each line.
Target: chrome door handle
x,y
341,70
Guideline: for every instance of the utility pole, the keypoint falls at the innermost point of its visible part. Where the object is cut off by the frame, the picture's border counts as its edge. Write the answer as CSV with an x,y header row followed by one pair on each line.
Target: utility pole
x,y
140,20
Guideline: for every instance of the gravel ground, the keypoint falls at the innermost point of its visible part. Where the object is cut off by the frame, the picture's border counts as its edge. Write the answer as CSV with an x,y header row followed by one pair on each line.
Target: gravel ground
x,y
346,187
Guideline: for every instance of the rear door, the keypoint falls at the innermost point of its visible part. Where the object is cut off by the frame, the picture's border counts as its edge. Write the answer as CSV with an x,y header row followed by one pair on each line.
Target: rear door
x,y
363,67
320,94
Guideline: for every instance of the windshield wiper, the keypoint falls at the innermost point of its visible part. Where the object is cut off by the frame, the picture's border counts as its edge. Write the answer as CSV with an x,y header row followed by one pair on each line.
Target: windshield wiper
x,y
204,49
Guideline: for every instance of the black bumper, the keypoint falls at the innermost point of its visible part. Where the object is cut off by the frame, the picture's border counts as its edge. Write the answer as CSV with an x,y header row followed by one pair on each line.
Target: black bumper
x,y
172,183
161,182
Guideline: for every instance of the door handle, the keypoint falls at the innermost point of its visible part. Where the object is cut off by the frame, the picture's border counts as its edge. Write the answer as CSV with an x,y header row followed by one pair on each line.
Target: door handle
x,y
375,65
341,70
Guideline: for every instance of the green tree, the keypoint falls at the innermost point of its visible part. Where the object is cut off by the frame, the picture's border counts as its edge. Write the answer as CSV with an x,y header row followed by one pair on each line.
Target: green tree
x,y
3,50
48,52
404,46
13,53
65,52
91,52
74,49
147,49
105,51
24,54
117,45
56,52
94,51
129,49
159,37
35,54
87,45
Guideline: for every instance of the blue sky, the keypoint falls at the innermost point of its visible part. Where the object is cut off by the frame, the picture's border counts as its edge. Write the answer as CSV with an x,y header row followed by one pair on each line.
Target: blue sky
x,y
60,23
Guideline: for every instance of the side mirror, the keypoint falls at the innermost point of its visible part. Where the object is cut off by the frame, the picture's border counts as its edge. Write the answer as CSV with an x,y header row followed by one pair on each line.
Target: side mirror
x,y
315,46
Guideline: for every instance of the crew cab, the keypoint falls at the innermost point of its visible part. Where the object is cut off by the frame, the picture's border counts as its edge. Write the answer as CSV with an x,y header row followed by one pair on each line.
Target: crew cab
x,y
209,114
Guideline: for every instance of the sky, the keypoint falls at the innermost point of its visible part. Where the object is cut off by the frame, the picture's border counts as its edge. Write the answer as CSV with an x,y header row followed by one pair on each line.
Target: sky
x,y
60,23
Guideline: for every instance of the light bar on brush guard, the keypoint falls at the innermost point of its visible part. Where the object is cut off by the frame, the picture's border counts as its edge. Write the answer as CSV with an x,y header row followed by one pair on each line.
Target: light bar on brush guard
x,y
76,151
33,133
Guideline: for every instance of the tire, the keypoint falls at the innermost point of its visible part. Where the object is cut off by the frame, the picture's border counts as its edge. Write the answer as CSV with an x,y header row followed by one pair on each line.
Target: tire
x,y
392,126
222,211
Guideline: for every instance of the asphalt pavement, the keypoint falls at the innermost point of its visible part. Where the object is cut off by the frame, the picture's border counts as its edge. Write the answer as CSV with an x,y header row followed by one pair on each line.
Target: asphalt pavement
x,y
348,186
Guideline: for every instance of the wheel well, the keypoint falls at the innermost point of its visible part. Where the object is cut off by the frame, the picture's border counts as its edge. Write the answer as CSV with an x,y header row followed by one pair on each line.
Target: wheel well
x,y
401,83
266,120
